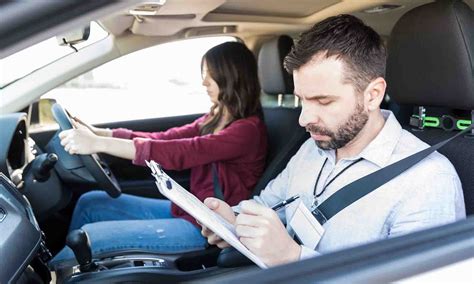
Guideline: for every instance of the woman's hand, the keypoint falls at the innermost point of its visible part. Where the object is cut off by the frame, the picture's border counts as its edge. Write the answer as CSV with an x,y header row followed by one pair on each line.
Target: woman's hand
x,y
83,142
80,141
80,124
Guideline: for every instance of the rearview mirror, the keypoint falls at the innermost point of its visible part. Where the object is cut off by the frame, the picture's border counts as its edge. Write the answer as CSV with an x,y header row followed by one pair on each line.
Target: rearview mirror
x,y
74,37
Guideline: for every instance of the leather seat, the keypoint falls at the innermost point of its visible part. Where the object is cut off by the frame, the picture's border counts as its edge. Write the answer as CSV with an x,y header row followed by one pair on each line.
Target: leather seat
x,y
431,64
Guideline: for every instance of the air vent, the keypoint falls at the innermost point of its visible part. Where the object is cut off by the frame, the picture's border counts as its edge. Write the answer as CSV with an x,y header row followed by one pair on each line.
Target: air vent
x,y
3,214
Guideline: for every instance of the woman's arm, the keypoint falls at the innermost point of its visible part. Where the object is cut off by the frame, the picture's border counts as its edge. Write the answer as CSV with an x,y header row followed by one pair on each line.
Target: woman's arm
x,y
80,124
237,140
84,142
185,131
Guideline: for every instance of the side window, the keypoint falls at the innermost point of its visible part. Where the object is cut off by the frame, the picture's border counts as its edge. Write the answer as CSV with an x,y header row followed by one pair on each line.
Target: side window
x,y
159,81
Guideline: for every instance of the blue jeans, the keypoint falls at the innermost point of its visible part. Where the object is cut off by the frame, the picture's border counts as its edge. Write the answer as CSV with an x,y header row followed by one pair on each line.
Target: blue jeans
x,y
130,223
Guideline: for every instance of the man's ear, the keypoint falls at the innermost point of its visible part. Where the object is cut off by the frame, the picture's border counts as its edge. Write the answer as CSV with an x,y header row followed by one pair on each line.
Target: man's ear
x,y
374,93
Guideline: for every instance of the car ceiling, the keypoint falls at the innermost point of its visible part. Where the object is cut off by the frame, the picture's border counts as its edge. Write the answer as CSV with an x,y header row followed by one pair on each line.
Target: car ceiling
x,y
251,20
250,17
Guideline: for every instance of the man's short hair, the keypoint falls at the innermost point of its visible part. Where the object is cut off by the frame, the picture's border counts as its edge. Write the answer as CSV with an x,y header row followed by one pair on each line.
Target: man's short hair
x,y
349,39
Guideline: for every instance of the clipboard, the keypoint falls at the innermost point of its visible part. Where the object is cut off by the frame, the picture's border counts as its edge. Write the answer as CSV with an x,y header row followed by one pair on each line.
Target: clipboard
x,y
193,206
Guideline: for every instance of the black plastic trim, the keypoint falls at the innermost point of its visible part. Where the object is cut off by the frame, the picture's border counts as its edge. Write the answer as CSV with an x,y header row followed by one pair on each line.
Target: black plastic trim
x,y
380,262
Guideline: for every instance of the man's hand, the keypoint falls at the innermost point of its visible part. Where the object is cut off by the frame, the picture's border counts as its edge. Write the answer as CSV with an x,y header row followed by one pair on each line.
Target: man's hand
x,y
80,141
223,209
262,232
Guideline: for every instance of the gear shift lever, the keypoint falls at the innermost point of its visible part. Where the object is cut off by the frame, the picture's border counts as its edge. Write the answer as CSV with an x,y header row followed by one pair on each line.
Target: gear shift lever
x,y
78,241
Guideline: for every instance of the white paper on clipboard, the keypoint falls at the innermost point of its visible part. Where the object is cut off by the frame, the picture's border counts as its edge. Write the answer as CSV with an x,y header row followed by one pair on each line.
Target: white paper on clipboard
x,y
192,205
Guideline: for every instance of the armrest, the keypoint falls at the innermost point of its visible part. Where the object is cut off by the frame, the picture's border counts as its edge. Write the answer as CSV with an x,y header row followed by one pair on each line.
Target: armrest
x,y
230,257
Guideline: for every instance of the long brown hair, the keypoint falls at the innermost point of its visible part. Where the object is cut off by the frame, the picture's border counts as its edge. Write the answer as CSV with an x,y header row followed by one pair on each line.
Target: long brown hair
x,y
234,68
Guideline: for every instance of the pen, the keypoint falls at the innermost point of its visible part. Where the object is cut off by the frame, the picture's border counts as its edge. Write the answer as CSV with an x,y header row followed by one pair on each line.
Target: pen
x,y
285,202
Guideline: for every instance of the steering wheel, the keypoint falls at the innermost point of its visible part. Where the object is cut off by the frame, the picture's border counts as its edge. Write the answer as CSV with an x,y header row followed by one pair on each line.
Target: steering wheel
x,y
93,163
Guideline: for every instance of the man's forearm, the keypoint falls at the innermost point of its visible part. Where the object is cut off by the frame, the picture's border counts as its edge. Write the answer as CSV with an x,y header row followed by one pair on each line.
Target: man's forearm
x,y
122,148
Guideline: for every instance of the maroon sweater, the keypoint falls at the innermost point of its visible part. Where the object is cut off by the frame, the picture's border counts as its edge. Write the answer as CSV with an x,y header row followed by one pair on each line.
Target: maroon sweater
x,y
239,152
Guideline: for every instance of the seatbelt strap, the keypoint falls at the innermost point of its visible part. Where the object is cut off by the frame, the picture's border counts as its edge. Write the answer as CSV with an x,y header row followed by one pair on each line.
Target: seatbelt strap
x,y
365,185
217,188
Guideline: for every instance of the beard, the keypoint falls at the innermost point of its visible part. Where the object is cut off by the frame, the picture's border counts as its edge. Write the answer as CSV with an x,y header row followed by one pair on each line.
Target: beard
x,y
345,133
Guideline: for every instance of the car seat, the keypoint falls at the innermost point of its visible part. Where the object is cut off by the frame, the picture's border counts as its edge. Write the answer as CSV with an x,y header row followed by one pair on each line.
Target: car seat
x,y
430,66
285,136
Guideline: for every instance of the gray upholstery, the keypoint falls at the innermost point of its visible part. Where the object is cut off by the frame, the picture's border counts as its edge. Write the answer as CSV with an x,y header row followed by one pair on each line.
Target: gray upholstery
x,y
430,63
431,56
285,136
273,76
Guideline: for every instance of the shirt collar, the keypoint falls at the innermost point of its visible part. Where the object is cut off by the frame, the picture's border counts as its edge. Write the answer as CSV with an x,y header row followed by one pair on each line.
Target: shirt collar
x,y
381,148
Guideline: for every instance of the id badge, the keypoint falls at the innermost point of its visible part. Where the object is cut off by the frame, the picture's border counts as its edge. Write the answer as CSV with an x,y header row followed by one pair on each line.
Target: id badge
x,y
306,227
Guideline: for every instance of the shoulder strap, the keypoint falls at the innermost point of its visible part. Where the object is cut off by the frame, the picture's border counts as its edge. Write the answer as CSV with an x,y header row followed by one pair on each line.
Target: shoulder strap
x,y
217,188
365,185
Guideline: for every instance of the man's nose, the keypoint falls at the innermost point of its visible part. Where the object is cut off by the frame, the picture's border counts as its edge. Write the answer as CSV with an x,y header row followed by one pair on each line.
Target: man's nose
x,y
307,117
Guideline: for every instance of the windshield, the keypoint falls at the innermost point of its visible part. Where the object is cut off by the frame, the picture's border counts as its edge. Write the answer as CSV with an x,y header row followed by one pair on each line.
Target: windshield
x,y
26,61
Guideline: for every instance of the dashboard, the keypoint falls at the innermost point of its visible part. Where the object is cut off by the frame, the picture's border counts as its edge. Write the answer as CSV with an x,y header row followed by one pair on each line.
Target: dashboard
x,y
20,161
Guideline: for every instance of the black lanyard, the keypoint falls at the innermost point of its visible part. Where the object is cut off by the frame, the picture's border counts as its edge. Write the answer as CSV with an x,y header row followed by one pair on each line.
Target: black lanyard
x,y
338,174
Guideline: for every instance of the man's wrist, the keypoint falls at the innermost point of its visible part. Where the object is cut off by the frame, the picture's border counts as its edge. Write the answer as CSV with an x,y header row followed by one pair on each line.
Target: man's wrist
x,y
292,254
296,252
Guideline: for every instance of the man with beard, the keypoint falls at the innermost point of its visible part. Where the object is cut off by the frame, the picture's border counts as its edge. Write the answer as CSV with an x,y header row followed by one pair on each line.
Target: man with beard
x,y
338,68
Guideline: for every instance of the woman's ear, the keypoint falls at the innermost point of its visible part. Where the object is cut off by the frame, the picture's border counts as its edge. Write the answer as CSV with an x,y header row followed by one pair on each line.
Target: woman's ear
x,y
375,93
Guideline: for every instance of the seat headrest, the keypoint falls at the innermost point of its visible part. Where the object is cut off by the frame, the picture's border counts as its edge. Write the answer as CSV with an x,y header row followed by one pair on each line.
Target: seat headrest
x,y
273,76
431,56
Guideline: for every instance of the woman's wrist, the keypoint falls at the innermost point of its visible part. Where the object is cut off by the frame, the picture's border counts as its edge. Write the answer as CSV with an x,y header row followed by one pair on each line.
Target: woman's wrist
x,y
101,144
122,148
104,132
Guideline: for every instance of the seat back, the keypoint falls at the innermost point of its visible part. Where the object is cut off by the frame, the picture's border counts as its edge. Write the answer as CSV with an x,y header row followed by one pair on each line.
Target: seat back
x,y
285,136
431,64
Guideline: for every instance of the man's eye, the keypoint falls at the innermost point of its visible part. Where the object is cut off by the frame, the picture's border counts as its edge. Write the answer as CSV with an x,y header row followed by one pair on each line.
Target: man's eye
x,y
324,102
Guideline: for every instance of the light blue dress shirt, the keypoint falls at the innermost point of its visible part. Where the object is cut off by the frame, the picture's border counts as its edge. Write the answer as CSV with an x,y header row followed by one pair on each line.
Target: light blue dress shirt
x,y
426,195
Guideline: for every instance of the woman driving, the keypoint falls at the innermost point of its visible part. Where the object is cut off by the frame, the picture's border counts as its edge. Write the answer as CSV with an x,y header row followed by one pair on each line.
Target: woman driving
x,y
230,141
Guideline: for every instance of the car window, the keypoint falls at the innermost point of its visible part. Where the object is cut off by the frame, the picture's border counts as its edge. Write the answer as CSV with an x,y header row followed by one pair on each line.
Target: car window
x,y
160,81
39,55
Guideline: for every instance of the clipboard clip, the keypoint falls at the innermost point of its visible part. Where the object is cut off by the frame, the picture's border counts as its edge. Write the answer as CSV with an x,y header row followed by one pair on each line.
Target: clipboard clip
x,y
158,173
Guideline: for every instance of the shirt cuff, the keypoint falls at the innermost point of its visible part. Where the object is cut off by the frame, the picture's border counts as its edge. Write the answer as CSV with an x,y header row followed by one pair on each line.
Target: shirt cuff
x,y
122,133
142,150
307,252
